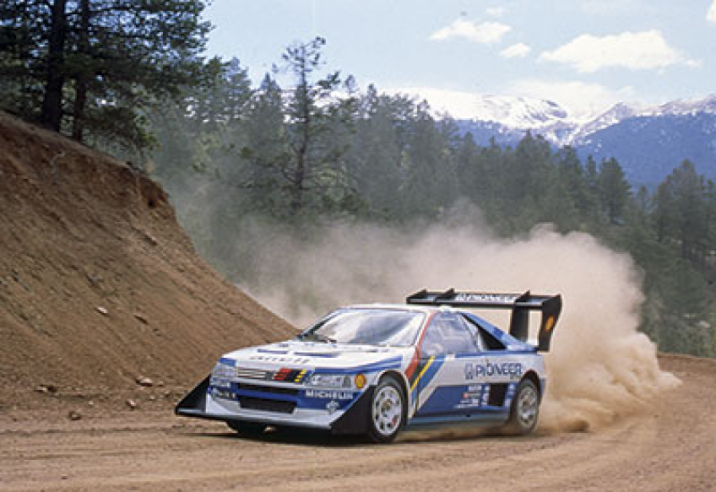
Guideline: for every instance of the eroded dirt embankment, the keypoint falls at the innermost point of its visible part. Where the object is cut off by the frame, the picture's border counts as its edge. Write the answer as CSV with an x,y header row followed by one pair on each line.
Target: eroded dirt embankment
x,y
98,283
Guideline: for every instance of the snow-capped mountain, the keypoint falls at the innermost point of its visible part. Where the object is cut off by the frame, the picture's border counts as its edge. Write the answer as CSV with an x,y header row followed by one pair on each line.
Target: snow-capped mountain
x,y
679,107
555,123
519,113
614,115
648,141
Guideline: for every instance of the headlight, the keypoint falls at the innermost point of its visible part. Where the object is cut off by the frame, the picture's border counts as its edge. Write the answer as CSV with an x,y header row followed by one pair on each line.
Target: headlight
x,y
224,371
331,380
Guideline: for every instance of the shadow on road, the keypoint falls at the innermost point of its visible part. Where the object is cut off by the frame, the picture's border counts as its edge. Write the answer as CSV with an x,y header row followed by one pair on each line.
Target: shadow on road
x,y
311,437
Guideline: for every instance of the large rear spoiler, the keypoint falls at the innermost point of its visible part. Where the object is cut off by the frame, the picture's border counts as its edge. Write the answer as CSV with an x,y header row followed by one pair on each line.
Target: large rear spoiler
x,y
519,304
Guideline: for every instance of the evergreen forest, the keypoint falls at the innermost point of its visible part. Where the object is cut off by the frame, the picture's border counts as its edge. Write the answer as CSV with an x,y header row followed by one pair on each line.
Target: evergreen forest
x,y
304,145
317,147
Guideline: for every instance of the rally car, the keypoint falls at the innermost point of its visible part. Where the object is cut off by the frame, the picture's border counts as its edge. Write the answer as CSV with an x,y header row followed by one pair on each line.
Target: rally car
x,y
377,369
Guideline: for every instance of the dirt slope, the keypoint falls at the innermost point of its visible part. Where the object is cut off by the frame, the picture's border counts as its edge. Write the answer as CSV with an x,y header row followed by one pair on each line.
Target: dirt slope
x,y
98,283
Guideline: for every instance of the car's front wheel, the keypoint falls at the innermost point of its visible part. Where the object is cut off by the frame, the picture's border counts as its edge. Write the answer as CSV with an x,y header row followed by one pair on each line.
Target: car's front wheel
x,y
387,411
246,428
525,409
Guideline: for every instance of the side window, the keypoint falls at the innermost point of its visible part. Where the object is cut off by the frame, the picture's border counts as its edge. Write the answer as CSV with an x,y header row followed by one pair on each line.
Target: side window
x,y
433,340
487,341
475,333
448,334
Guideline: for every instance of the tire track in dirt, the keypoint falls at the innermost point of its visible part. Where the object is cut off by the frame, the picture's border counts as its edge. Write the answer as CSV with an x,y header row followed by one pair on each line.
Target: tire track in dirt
x,y
669,446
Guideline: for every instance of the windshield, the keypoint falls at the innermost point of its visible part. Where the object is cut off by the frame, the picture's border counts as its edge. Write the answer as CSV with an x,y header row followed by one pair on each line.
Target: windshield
x,y
367,326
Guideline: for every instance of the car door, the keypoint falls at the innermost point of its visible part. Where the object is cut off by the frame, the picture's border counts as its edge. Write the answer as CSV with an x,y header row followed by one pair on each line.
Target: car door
x,y
449,379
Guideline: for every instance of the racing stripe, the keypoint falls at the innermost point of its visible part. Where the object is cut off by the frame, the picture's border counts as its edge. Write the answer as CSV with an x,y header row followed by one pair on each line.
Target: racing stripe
x,y
429,372
391,363
410,371
420,376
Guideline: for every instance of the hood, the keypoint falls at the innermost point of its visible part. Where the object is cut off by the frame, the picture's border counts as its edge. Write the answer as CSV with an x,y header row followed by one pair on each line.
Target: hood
x,y
311,355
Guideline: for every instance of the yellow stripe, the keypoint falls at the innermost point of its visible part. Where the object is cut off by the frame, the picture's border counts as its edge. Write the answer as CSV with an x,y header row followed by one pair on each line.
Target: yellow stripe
x,y
415,383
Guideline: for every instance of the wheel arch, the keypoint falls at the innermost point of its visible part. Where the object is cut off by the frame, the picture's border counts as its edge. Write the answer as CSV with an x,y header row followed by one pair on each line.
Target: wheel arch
x,y
401,378
532,376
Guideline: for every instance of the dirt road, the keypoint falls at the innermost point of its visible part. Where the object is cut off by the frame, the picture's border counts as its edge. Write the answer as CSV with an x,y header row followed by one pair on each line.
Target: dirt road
x,y
670,447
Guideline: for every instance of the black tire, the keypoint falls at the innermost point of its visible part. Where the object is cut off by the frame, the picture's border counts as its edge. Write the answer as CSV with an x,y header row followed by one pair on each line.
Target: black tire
x,y
387,411
524,410
247,428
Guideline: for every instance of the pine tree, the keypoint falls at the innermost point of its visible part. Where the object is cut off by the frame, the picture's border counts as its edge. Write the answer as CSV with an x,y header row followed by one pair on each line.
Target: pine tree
x,y
266,151
683,211
614,190
374,157
315,175
92,66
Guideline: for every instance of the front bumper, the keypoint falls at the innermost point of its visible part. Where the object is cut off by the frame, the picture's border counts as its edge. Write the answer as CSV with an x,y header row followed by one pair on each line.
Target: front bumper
x,y
338,411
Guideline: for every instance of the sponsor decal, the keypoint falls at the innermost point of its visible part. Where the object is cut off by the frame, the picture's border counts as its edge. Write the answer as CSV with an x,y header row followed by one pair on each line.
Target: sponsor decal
x,y
332,406
329,394
496,298
279,358
511,369
471,397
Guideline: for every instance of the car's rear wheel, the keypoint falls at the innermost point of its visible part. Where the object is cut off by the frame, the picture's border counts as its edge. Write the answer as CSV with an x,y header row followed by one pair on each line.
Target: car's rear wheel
x,y
387,411
525,409
246,428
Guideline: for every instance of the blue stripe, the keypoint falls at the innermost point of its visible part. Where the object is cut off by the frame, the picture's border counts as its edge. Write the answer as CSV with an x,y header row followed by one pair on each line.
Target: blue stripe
x,y
374,367
227,361
311,354
499,353
264,395
432,371
428,376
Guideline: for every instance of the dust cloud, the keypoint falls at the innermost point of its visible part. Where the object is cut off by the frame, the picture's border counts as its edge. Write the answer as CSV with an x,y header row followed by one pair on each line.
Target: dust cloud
x,y
600,367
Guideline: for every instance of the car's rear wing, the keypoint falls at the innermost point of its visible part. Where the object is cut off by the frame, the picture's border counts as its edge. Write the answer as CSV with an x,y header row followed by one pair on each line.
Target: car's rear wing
x,y
519,304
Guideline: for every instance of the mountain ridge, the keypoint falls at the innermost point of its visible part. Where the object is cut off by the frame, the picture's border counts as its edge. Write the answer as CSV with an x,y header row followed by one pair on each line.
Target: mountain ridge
x,y
648,140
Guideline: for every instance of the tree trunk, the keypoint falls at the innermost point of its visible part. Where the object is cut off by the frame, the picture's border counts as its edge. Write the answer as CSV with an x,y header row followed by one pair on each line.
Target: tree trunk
x,y
55,78
78,112
299,177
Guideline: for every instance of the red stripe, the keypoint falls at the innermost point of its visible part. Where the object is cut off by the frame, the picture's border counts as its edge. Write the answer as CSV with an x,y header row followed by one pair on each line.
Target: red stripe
x,y
416,356
413,364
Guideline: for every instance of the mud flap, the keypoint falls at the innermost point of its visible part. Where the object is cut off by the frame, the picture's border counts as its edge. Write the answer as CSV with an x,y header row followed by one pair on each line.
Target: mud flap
x,y
194,404
355,420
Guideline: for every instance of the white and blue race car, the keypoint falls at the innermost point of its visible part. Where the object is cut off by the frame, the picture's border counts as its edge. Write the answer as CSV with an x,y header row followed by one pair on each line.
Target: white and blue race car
x,y
376,369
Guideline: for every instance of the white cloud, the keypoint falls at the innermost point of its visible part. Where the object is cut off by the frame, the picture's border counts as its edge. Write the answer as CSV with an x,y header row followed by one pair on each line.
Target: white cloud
x,y
711,14
487,32
495,11
519,50
633,50
581,100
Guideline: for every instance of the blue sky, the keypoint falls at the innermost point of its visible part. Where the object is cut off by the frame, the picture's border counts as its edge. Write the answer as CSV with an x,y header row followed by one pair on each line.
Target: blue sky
x,y
584,54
